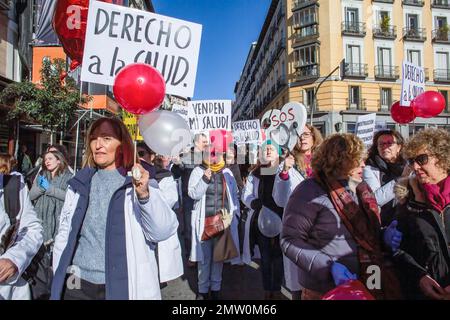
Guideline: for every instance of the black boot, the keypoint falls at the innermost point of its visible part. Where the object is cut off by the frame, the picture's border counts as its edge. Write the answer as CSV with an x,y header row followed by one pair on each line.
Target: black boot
x,y
215,295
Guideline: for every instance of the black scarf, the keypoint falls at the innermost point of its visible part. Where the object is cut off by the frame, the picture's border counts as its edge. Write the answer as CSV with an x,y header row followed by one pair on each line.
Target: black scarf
x,y
388,171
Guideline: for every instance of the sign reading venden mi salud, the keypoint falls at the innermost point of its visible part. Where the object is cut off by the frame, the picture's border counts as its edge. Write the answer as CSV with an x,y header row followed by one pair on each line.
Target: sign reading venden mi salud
x,y
117,36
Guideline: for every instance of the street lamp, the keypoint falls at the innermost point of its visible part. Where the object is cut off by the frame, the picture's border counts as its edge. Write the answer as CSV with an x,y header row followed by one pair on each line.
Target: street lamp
x,y
341,65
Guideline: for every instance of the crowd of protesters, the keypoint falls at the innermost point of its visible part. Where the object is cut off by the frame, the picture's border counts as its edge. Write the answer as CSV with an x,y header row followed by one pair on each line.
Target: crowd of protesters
x,y
114,229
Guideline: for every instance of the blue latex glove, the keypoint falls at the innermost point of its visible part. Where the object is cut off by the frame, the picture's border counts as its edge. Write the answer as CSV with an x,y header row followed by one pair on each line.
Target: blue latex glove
x,y
341,274
44,183
392,237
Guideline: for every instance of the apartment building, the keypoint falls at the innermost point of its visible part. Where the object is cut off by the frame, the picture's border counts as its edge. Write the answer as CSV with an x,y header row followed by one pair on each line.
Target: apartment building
x,y
343,58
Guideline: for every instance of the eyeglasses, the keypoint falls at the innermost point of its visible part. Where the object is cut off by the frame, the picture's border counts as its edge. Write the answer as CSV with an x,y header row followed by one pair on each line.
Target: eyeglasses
x,y
421,160
386,144
306,135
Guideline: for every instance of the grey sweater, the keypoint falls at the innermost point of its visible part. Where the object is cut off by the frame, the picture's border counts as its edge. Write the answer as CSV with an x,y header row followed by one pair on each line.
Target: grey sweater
x,y
314,236
90,253
48,203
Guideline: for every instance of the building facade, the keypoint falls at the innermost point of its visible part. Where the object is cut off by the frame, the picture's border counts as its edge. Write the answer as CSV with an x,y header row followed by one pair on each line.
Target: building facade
x,y
356,48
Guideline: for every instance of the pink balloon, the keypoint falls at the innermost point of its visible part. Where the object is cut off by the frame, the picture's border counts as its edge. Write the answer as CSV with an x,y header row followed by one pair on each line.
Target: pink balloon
x,y
428,104
401,114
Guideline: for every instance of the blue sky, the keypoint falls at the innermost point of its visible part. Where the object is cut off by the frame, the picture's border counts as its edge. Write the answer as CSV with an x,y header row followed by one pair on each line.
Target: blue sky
x,y
229,28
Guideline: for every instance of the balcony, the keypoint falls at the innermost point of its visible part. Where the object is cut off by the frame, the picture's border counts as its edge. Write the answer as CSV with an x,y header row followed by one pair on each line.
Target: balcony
x,y
414,34
387,72
440,4
440,36
359,104
305,34
417,3
384,1
356,29
299,4
382,32
441,75
356,70
307,72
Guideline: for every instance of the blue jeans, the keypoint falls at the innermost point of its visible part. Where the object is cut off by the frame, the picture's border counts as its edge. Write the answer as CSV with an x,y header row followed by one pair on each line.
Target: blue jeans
x,y
209,272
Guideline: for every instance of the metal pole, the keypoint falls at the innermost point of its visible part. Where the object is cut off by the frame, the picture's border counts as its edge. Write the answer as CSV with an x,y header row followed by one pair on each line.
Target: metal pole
x,y
317,90
76,146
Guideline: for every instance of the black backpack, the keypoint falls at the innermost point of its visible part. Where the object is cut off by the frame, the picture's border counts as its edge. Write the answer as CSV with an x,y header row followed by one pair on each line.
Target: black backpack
x,y
11,197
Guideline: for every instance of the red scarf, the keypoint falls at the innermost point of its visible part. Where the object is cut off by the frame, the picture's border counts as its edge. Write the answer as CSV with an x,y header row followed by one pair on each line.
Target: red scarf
x,y
438,195
308,169
363,223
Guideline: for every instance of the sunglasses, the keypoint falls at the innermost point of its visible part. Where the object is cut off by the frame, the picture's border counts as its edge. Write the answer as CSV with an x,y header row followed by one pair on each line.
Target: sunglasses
x,y
421,160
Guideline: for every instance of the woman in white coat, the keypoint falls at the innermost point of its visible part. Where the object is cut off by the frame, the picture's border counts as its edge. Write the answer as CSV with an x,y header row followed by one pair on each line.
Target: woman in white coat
x,y
257,196
15,259
212,187
384,167
295,168
110,224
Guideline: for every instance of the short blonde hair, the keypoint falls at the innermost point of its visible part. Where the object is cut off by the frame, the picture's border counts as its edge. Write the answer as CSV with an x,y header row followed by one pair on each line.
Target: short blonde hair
x,y
126,143
338,155
434,141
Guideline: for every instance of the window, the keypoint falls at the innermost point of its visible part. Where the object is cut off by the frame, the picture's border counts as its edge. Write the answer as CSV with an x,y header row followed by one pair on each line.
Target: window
x,y
351,127
413,56
445,94
310,98
386,98
306,55
441,22
412,21
382,16
351,16
305,17
442,60
354,96
384,57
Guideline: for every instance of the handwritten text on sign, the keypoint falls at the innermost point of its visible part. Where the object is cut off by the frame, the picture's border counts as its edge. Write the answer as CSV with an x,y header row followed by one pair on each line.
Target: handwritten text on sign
x,y
209,115
246,132
365,128
413,83
117,36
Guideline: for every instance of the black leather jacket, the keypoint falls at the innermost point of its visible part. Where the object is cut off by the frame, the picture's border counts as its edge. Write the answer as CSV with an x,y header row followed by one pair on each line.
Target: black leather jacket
x,y
424,249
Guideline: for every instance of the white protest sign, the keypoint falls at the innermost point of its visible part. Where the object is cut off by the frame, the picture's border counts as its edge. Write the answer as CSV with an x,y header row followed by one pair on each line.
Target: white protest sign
x,y
246,132
365,128
207,115
413,83
284,126
117,36
182,111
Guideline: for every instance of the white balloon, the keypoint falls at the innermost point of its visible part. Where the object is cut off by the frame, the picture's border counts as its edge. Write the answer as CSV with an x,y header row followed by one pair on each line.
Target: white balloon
x,y
269,223
165,132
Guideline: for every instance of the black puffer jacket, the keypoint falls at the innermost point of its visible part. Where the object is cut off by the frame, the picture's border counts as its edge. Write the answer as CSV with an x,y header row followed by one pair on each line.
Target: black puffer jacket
x,y
424,249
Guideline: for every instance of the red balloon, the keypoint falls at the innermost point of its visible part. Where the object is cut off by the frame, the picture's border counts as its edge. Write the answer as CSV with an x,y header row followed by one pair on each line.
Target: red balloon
x,y
428,104
139,88
401,114
69,23
351,290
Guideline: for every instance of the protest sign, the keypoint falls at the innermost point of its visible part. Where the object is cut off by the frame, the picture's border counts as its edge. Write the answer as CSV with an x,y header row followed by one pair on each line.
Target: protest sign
x,y
117,36
365,128
284,126
182,111
208,115
413,83
246,132
130,121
